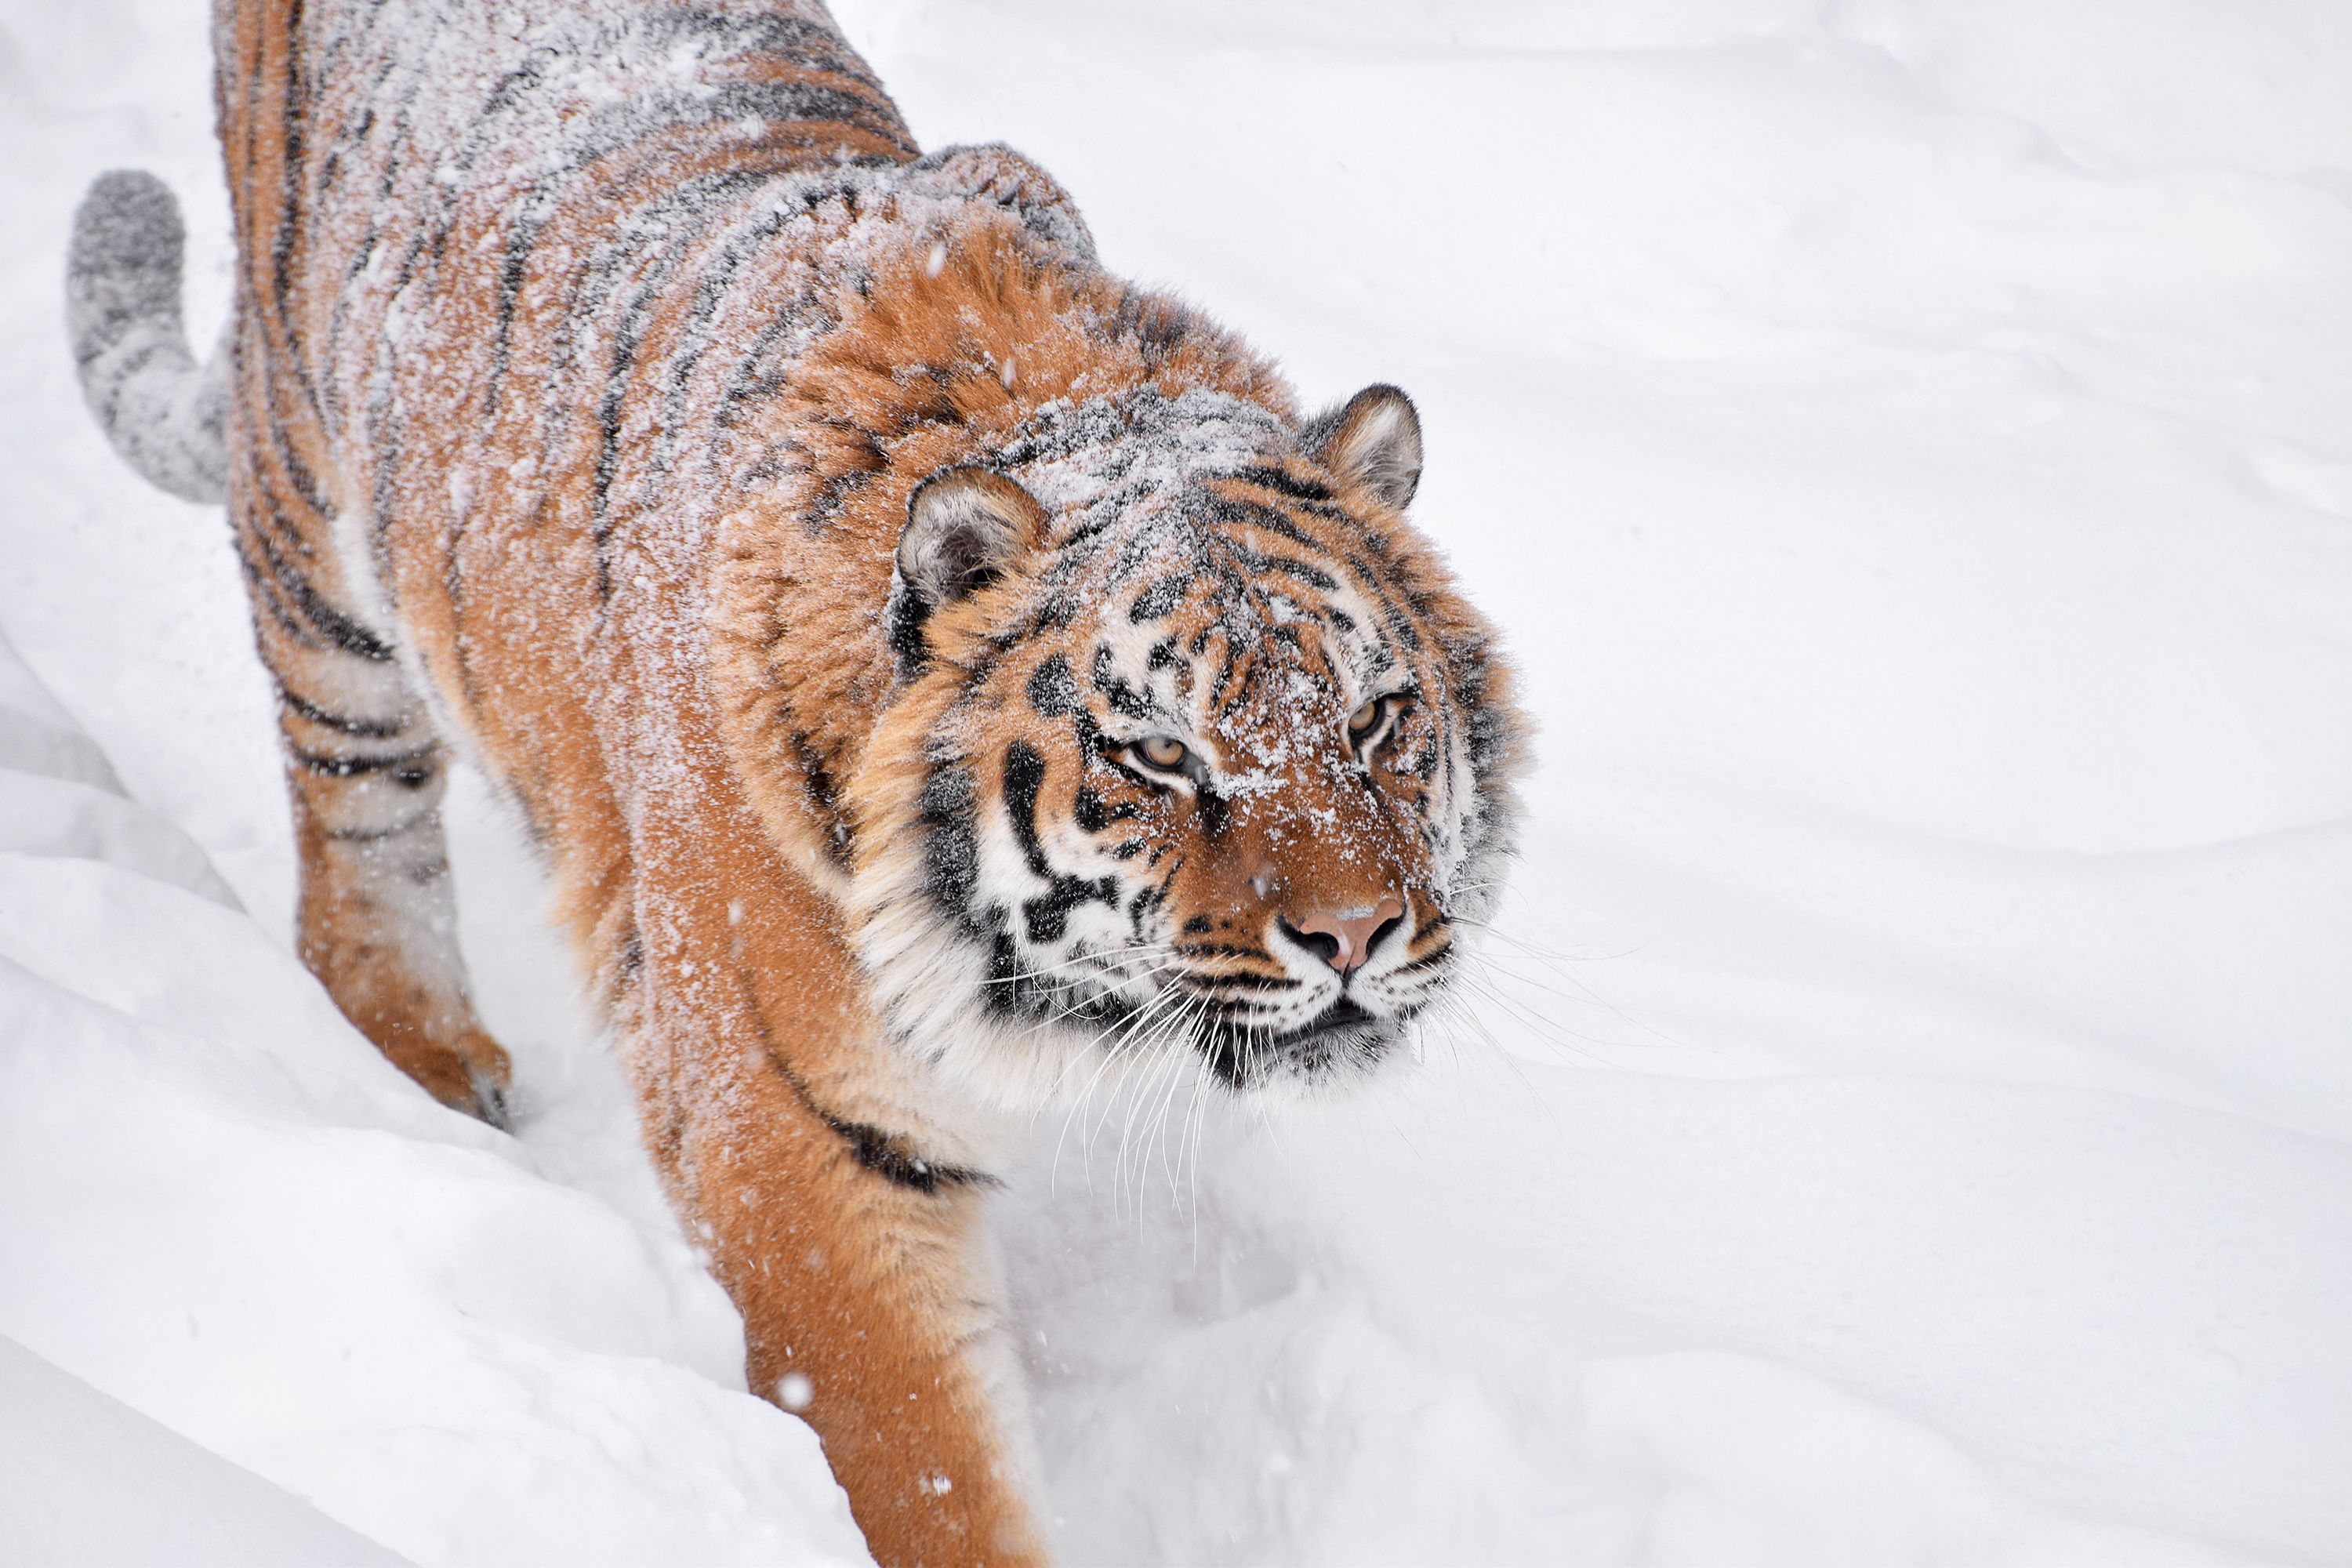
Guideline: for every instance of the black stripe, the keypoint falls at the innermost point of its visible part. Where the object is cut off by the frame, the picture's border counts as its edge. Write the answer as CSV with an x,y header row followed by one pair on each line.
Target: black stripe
x,y
264,594
1221,950
1426,961
409,768
884,1154
946,810
1053,691
346,634
711,297
888,1157
1159,597
1122,697
1282,482
371,835
1312,575
1207,984
374,730
1046,916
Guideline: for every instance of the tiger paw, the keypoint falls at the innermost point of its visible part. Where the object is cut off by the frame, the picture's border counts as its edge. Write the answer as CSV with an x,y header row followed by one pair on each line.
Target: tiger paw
x,y
470,1072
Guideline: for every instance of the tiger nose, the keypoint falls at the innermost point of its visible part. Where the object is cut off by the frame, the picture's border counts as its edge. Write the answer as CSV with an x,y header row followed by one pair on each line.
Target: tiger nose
x,y
1344,940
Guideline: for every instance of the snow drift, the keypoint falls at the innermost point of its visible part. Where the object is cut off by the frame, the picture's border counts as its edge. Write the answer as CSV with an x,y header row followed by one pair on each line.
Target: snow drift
x,y
1910,449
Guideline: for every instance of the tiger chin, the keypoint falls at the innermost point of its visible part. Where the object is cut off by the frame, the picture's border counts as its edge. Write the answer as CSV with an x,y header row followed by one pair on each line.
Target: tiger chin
x,y
941,677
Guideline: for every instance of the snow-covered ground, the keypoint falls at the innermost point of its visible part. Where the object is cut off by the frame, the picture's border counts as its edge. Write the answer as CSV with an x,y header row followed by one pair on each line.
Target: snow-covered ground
x,y
1906,1115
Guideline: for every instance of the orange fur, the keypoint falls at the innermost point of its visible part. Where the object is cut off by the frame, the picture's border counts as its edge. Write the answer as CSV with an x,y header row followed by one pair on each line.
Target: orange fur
x,y
577,409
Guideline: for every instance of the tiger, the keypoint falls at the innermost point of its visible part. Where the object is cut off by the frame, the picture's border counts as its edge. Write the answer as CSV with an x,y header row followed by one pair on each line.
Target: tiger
x,y
936,673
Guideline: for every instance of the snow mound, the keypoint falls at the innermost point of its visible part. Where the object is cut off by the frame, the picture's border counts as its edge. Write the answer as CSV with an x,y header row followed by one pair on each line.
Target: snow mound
x,y
1902,1115
218,1203
90,1480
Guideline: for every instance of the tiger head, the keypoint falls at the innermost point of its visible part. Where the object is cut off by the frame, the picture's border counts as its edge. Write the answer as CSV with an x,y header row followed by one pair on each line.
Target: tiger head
x,y
1195,751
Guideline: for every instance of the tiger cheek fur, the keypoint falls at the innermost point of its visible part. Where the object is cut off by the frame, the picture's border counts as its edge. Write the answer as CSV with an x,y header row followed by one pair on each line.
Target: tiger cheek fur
x,y
936,673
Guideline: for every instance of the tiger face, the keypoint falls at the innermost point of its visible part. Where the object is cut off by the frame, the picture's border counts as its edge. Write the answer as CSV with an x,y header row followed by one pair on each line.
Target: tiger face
x,y
1196,752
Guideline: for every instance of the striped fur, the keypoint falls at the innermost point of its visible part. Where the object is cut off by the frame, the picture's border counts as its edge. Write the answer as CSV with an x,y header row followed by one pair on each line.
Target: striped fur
x,y
815,544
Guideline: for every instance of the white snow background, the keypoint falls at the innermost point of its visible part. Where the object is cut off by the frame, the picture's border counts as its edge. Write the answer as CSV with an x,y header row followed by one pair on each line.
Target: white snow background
x,y
1909,449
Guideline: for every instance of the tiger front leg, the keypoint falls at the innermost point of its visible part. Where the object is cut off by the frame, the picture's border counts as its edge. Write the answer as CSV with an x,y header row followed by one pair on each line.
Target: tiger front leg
x,y
871,1312
848,1231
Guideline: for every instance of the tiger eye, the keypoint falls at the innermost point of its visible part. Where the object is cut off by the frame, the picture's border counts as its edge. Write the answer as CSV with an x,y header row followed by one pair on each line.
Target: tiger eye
x,y
1360,722
1163,752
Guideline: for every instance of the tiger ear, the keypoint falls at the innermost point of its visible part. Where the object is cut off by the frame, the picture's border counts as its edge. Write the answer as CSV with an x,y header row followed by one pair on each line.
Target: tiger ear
x,y
1373,440
964,527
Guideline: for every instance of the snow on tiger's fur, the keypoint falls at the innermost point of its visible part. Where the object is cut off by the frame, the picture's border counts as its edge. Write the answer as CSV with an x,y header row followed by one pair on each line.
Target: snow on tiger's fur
x,y
940,675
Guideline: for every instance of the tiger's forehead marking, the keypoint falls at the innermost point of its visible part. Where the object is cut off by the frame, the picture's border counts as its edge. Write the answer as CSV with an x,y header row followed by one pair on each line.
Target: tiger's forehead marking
x,y
1219,593
1147,493
1168,625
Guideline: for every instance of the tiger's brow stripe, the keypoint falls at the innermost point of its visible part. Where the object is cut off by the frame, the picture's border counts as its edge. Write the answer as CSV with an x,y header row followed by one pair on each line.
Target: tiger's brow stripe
x,y
1284,482
1342,549
1262,565
1124,699
1160,597
1053,690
